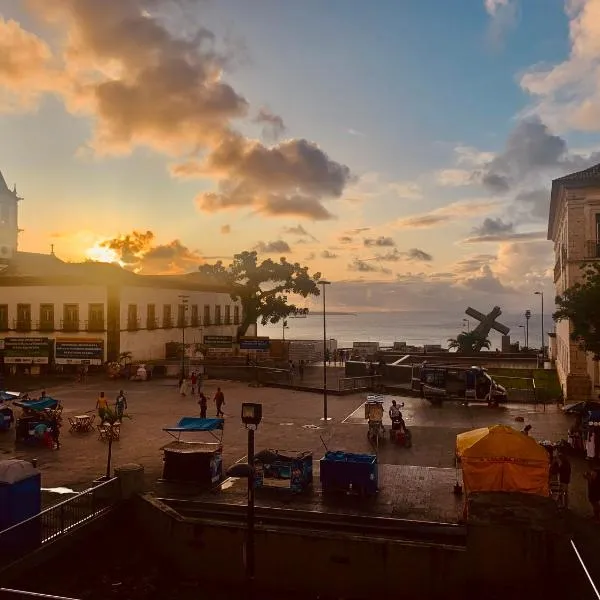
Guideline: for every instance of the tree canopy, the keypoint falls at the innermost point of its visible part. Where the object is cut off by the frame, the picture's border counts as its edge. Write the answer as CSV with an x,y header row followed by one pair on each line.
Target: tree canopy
x,y
580,304
468,342
263,288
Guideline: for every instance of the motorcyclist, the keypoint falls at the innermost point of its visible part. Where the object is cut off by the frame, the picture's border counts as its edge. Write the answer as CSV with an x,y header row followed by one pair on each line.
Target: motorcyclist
x,y
396,417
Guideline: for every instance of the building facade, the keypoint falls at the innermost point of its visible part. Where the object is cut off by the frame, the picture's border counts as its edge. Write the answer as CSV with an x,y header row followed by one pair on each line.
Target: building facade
x,y
53,312
574,227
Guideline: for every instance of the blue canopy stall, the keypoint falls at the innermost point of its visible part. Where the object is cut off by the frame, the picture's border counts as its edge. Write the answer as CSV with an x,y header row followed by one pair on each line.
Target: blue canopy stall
x,y
193,461
38,405
6,396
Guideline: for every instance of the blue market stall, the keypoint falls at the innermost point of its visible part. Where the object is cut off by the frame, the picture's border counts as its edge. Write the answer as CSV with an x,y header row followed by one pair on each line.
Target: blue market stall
x,y
345,472
38,419
197,462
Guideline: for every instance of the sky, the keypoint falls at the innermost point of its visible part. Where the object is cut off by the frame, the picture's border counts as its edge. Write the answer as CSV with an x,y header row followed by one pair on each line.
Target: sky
x,y
402,148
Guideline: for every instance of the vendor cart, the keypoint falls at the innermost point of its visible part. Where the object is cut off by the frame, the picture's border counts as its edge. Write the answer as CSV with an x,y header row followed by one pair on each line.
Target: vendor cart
x,y
196,462
374,416
38,420
348,472
289,470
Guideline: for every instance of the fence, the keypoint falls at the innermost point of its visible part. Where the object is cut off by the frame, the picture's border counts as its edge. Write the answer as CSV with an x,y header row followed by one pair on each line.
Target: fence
x,y
367,382
58,520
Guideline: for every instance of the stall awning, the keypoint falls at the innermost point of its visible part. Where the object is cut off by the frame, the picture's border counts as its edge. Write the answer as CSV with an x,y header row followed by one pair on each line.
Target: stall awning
x,y
6,395
37,405
196,424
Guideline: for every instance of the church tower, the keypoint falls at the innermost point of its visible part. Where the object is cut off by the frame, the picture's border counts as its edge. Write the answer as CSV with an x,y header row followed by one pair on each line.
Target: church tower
x,y
9,227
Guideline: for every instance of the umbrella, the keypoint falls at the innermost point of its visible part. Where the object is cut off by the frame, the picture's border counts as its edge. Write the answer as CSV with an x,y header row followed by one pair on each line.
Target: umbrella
x,y
581,408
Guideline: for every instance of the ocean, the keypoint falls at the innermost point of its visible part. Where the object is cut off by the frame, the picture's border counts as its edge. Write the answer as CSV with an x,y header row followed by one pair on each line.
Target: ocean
x,y
415,328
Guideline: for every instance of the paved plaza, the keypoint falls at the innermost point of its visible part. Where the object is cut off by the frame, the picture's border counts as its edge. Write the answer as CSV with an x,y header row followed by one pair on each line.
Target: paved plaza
x,y
291,421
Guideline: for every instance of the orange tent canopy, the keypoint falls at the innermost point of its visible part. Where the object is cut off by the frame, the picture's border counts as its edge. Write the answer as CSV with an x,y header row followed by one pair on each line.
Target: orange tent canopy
x,y
500,458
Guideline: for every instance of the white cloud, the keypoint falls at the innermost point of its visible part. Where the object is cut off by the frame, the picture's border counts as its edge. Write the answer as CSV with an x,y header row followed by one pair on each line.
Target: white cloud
x,y
454,177
567,95
504,15
373,185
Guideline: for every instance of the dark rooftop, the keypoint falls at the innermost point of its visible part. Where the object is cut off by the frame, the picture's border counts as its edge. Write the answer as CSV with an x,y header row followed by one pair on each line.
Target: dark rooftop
x,y
30,268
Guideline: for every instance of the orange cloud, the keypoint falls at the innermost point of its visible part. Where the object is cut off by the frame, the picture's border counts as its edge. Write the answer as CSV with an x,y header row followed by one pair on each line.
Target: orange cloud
x,y
145,84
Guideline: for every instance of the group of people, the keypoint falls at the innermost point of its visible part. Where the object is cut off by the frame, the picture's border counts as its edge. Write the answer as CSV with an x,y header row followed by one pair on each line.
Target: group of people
x,y
219,401
193,385
103,408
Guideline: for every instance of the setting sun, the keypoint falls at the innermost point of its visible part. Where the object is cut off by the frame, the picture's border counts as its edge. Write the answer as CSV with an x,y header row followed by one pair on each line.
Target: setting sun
x,y
102,254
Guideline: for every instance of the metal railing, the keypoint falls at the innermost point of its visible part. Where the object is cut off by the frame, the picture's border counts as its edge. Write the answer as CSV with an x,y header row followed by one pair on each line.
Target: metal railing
x,y
58,520
592,249
366,382
590,589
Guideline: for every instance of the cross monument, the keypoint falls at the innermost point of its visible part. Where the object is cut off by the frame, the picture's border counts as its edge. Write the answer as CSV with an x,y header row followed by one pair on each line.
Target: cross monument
x,y
487,323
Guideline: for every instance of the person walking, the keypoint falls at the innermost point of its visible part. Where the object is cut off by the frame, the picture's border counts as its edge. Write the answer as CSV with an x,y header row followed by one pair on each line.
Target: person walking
x,y
102,406
194,380
220,402
121,405
564,479
203,402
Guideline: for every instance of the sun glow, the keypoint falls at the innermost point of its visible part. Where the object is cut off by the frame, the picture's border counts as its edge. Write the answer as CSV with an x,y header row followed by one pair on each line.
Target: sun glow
x,y
101,254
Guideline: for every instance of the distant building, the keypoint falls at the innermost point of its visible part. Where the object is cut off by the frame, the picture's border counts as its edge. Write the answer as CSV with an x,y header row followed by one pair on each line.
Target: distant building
x,y
574,227
52,311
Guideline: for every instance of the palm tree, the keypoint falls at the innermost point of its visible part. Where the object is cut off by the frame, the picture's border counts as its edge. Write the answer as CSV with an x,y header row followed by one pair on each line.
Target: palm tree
x,y
468,342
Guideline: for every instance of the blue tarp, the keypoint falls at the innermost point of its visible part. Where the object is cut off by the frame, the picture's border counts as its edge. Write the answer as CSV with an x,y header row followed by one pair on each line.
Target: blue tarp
x,y
197,424
38,405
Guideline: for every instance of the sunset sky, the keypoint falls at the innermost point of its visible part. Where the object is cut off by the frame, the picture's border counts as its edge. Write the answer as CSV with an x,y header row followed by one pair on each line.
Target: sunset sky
x,y
407,144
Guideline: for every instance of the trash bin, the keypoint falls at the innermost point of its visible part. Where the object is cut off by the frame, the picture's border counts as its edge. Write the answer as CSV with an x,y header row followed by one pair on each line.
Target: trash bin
x,y
20,499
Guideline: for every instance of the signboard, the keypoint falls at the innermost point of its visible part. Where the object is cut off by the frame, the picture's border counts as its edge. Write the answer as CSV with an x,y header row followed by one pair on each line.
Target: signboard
x,y
79,351
27,350
218,341
254,343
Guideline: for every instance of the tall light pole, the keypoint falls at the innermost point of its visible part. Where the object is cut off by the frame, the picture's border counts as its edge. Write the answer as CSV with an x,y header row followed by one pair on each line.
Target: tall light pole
x,y
468,324
541,294
324,283
527,317
184,301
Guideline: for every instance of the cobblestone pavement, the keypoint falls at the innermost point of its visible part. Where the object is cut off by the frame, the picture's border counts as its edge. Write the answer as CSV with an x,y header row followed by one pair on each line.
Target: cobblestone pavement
x,y
291,421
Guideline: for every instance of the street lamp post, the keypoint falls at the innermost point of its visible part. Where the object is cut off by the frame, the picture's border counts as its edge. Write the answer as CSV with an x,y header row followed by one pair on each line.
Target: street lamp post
x,y
325,418
283,328
541,294
184,301
527,317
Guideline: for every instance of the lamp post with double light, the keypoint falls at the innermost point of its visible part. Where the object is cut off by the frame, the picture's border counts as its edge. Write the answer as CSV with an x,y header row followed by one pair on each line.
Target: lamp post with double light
x,y
541,295
183,309
323,283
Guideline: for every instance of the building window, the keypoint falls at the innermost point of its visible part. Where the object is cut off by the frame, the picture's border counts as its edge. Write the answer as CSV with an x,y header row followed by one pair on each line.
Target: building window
x,y
217,315
151,317
3,317
132,318
46,317
167,317
236,315
96,317
206,314
181,310
71,317
195,320
228,315
23,317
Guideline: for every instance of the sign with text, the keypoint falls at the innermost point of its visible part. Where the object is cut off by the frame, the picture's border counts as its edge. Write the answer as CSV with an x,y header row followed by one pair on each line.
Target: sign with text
x,y
254,343
79,351
27,350
218,341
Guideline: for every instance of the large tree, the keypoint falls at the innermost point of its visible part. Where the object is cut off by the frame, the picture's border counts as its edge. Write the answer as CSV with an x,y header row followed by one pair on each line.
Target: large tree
x,y
263,288
468,342
581,305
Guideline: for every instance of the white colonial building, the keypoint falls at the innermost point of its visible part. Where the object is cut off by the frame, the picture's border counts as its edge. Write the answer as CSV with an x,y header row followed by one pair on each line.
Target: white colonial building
x,y
53,312
574,227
